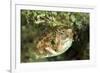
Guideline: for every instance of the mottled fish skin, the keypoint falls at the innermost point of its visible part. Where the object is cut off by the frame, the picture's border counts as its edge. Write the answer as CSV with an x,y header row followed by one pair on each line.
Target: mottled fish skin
x,y
64,38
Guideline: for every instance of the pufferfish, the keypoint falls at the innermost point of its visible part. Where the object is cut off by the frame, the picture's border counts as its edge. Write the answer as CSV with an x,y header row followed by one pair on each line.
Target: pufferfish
x,y
54,43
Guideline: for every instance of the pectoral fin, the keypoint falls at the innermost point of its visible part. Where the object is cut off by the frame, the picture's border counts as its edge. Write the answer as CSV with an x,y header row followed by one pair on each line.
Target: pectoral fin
x,y
50,50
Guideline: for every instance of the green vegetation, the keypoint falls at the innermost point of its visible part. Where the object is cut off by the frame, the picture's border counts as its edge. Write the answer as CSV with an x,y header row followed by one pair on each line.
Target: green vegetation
x,y
35,22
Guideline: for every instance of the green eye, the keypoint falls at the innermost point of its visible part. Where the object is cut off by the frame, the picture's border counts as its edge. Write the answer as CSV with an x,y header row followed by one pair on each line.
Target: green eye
x,y
52,42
